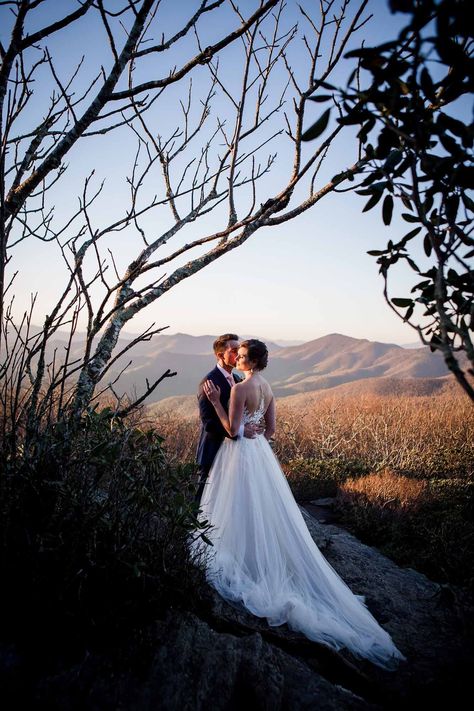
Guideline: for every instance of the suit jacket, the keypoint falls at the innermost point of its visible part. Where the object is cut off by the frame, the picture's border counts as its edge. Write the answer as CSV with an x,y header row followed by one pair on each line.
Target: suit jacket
x,y
212,432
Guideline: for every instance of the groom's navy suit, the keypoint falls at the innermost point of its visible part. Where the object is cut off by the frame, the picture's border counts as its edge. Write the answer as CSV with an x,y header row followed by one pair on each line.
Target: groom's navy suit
x,y
212,432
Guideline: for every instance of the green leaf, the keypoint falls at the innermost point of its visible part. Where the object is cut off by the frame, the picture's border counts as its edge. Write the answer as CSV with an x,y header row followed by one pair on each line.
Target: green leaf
x,y
412,264
428,203
379,187
373,200
369,51
451,207
450,145
468,203
427,84
366,129
393,159
321,98
427,246
372,177
465,177
369,150
352,118
402,302
317,128
386,141
325,84
387,209
410,218
450,52
411,234
409,312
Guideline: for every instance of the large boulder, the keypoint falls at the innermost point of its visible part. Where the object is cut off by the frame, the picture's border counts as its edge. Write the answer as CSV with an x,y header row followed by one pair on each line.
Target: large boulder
x,y
221,657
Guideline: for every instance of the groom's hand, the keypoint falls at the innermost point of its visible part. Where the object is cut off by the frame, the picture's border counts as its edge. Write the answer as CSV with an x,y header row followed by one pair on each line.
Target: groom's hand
x,y
251,430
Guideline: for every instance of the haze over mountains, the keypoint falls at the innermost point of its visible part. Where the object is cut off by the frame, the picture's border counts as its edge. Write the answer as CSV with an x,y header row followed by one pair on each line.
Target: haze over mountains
x,y
331,361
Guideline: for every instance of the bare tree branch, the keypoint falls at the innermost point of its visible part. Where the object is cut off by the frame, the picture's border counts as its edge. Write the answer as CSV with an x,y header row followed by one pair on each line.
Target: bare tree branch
x,y
213,160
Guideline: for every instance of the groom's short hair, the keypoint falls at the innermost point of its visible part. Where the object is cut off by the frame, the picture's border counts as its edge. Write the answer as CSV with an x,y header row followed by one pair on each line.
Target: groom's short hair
x,y
220,343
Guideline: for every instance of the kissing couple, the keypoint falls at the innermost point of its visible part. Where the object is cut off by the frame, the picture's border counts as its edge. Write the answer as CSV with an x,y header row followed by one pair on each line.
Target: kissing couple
x,y
263,558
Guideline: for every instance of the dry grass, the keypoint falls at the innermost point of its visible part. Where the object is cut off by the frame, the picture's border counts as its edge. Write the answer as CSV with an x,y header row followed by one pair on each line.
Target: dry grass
x,y
180,433
387,490
401,467
428,525
429,436
425,436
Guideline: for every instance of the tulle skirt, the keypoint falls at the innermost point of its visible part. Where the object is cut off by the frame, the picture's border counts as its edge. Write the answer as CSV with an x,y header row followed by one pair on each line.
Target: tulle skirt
x,y
264,558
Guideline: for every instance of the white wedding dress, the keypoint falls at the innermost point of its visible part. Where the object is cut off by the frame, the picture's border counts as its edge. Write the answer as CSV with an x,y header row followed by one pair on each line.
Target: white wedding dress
x,y
264,558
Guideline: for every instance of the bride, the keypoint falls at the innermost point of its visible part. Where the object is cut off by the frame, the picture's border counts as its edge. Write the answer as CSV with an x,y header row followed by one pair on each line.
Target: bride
x,y
263,556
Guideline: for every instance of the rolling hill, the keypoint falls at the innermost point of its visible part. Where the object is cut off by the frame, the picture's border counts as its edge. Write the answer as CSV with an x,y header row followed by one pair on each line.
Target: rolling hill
x,y
329,362
185,407
325,363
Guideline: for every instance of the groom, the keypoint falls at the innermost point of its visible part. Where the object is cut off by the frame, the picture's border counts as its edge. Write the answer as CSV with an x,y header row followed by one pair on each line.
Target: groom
x,y
212,432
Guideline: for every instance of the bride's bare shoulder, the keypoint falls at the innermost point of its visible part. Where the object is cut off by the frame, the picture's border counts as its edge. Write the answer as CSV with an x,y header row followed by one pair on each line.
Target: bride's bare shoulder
x,y
266,384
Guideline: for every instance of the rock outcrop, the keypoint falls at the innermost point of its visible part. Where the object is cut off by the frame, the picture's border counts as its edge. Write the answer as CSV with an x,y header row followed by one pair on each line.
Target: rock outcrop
x,y
227,659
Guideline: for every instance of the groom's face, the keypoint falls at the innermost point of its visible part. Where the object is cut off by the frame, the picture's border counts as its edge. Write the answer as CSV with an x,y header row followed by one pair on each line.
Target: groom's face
x,y
229,356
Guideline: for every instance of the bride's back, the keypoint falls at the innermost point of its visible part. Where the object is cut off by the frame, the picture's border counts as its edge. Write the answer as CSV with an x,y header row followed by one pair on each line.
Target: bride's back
x,y
257,389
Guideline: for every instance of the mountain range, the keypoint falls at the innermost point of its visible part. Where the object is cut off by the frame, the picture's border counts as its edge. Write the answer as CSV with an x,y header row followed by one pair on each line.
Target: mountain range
x,y
328,362
332,361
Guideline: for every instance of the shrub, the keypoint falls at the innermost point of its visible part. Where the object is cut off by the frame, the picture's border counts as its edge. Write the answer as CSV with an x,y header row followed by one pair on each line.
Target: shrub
x,y
313,478
428,525
328,443
94,527
425,436
180,433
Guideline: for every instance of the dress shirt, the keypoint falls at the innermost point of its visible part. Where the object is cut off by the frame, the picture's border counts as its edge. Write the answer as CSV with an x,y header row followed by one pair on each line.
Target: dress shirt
x,y
228,376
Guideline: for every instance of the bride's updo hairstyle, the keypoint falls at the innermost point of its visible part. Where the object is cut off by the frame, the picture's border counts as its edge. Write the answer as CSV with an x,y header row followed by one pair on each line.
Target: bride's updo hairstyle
x,y
256,351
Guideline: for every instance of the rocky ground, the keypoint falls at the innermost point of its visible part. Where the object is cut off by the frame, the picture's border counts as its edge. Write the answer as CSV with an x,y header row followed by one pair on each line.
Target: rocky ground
x,y
224,658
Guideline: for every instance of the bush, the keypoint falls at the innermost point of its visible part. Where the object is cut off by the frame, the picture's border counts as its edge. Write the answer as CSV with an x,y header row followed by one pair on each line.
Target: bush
x,y
421,435
428,525
418,511
94,527
425,436
314,478
179,428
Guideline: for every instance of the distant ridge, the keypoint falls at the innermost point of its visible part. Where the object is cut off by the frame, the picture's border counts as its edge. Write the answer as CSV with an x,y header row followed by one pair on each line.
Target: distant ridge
x,y
336,359
386,387
321,364
185,406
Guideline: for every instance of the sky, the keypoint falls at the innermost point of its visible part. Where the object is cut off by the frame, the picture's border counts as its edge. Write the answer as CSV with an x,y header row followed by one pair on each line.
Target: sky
x,y
299,281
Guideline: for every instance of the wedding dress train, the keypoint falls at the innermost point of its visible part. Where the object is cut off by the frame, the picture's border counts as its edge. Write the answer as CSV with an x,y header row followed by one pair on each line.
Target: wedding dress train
x,y
264,558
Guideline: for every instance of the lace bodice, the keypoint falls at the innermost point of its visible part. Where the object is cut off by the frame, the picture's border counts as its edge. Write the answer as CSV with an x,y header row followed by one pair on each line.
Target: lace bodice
x,y
256,415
